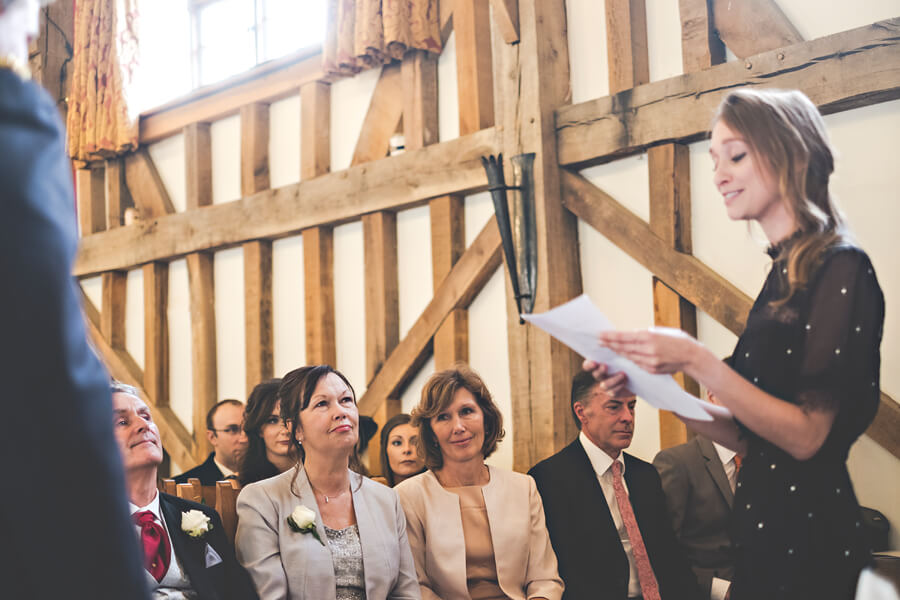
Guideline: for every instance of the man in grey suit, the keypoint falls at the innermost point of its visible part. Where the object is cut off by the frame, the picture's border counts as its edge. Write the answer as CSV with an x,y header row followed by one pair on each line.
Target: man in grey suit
x,y
699,478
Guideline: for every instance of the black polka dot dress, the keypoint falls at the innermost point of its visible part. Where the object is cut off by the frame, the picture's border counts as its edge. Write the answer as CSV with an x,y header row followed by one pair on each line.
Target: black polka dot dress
x,y
798,528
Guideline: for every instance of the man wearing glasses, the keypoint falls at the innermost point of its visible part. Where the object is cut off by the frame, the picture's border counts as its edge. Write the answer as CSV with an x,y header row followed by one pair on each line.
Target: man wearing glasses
x,y
224,430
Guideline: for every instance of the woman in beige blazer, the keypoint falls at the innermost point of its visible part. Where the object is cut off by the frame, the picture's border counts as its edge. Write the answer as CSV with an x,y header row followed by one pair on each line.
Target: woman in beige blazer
x,y
320,531
475,531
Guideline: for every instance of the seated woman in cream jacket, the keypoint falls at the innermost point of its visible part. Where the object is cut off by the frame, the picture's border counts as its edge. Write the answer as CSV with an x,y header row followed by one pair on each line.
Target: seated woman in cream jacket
x,y
475,531
319,531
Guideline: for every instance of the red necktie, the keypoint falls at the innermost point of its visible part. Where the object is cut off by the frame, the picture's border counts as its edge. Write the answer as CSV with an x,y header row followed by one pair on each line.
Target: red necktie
x,y
157,552
649,587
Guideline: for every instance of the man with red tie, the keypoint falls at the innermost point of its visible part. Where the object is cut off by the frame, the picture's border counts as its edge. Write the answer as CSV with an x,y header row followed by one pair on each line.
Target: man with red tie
x,y
186,553
606,511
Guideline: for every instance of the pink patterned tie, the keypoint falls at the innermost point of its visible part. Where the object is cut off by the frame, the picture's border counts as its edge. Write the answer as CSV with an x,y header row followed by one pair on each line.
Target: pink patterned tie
x,y
649,587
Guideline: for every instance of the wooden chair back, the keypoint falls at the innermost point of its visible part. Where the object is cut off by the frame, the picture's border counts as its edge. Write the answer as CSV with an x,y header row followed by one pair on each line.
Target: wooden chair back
x,y
169,487
192,490
226,501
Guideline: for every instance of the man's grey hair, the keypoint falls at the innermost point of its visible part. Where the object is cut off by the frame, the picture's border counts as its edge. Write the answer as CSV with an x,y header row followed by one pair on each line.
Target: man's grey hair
x,y
117,387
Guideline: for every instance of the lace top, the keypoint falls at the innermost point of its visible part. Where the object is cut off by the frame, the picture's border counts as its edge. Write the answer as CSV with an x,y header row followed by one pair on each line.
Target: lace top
x,y
346,554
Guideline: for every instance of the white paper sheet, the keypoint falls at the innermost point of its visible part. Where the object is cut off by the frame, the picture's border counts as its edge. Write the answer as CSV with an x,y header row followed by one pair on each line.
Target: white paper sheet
x,y
578,323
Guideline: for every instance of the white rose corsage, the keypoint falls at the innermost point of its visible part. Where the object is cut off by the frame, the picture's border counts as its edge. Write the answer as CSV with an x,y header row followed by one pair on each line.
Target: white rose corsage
x,y
195,524
303,520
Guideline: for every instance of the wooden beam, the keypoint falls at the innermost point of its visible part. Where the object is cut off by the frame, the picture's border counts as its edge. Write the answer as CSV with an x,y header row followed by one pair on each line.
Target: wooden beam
x,y
112,313
315,129
198,165
156,332
693,280
203,346
318,284
670,219
391,184
506,16
89,184
267,83
254,148
469,275
175,438
198,182
886,425
474,72
258,253
258,312
838,72
626,44
382,292
117,196
753,26
382,308
382,118
420,101
146,186
448,243
533,82
701,46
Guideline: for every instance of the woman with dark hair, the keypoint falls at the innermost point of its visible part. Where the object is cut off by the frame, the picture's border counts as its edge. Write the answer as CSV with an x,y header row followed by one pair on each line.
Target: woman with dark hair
x,y
802,383
269,448
462,511
320,531
399,458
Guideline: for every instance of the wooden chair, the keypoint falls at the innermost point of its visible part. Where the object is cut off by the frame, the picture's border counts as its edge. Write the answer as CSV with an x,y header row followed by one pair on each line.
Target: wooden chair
x,y
169,487
226,499
192,490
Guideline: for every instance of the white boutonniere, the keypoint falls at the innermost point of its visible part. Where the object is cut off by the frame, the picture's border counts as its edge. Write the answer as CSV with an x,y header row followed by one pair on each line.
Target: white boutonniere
x,y
303,520
195,524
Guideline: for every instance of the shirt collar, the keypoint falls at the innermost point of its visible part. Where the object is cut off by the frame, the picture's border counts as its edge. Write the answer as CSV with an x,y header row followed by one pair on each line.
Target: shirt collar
x,y
600,460
725,454
152,507
226,472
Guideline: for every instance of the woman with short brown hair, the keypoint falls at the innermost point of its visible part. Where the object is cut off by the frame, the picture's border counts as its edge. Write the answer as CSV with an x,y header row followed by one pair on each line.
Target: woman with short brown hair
x,y
462,510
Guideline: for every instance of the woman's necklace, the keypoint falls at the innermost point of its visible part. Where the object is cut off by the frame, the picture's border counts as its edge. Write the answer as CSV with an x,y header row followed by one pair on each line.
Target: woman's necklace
x,y
326,496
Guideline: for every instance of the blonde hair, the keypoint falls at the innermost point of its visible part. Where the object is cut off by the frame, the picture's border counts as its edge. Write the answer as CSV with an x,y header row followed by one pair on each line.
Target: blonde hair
x,y
787,137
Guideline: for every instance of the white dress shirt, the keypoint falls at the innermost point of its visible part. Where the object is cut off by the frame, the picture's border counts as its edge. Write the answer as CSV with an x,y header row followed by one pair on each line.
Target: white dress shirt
x,y
175,584
720,586
601,461
226,472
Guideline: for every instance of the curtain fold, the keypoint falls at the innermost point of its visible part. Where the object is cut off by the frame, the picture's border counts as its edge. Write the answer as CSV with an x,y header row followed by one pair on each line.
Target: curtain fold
x,y
105,58
367,33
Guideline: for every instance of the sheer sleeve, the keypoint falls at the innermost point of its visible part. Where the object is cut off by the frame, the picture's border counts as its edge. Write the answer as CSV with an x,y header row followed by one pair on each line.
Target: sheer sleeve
x,y
841,359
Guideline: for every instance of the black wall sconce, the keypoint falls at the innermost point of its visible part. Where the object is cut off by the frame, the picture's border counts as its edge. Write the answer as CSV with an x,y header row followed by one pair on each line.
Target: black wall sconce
x,y
519,233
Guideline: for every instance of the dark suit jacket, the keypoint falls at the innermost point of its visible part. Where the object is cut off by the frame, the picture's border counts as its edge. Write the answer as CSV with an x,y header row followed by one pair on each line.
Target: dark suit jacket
x,y
225,581
699,498
63,513
592,561
207,472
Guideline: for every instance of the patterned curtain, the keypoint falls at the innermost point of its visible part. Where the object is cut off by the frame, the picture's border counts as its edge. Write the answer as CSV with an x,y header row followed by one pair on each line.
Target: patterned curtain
x,y
99,123
368,33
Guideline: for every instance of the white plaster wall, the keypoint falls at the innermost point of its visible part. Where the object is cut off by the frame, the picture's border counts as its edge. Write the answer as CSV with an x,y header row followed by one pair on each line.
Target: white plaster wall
x,y
181,379
448,103
93,289
284,141
168,156
414,273
349,103
225,138
866,183
349,304
288,307
228,281
134,304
